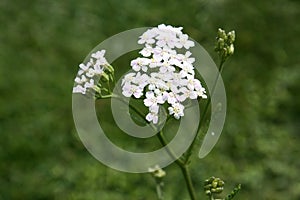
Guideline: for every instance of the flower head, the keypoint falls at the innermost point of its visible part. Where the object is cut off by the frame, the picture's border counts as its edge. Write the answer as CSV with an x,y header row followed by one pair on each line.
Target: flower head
x,y
163,75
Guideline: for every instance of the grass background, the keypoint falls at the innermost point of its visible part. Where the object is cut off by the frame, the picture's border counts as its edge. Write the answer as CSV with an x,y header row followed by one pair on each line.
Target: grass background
x,y
41,44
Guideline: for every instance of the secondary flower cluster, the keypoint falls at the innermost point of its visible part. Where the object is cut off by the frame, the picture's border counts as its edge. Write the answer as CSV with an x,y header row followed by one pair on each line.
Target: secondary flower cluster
x,y
95,68
163,75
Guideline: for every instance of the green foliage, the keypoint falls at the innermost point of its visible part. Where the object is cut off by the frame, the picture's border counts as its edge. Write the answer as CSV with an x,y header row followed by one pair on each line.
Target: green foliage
x,y
42,43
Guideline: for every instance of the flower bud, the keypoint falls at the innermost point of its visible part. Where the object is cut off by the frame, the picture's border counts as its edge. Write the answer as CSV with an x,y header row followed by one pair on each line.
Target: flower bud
x,y
221,183
208,182
214,183
230,50
222,34
208,192
208,186
231,36
219,190
221,43
157,172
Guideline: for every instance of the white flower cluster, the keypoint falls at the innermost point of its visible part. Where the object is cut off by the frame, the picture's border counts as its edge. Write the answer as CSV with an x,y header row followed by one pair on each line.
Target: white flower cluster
x,y
163,74
87,73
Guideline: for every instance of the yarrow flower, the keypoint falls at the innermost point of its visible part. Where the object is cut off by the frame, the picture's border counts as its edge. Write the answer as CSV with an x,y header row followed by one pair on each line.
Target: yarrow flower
x,y
163,75
97,67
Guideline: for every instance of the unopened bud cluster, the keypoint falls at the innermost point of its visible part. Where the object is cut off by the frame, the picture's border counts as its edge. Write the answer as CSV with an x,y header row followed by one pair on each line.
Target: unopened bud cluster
x,y
224,44
213,185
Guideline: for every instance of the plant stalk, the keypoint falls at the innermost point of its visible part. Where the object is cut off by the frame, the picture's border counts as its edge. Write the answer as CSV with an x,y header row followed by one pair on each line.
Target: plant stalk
x,y
187,177
189,151
183,166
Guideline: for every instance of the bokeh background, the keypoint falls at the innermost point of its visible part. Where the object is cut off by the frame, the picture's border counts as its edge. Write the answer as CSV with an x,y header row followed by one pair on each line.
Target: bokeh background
x,y
41,44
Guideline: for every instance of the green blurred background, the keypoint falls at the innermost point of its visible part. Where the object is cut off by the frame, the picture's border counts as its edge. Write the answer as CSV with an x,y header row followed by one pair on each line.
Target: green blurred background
x,y
42,43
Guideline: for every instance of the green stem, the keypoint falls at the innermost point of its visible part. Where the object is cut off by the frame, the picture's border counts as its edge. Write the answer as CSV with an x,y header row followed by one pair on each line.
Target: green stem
x,y
189,151
234,192
135,109
178,161
187,177
181,164
159,191
109,89
163,141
